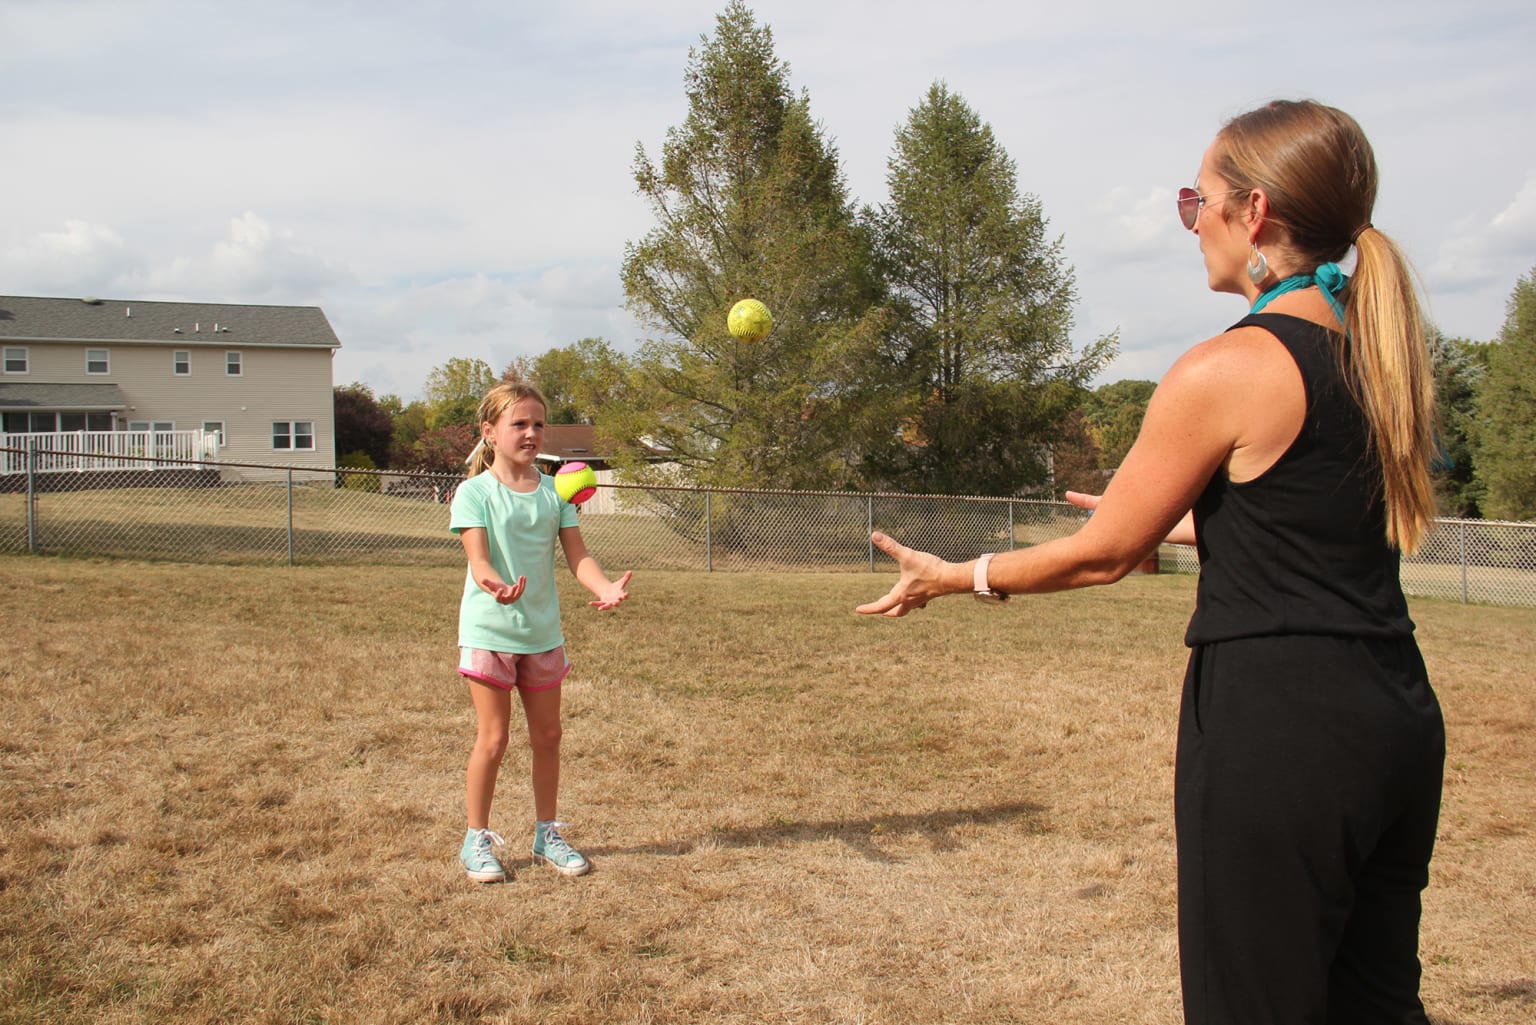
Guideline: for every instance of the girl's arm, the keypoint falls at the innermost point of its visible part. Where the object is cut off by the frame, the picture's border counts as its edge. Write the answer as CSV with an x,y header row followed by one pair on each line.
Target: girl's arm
x,y
609,593
477,548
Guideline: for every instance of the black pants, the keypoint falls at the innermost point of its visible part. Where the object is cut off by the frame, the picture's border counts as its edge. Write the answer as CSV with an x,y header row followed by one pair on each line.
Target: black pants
x,y
1307,798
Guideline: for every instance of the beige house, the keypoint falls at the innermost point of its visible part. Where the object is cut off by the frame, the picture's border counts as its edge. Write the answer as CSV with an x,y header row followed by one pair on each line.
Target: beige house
x,y
214,381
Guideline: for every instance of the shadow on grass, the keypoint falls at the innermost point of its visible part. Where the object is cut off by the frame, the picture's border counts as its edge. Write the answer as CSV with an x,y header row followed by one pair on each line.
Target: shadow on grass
x,y
862,835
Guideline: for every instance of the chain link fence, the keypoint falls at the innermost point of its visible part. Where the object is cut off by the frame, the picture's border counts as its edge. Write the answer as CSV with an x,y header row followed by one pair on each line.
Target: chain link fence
x,y
213,512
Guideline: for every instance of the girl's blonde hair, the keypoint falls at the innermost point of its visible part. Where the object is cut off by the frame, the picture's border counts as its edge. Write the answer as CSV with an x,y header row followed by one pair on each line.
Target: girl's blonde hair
x,y
496,402
1317,169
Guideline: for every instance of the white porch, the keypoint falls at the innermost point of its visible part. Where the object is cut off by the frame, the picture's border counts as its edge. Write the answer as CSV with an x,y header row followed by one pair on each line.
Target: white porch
x,y
61,451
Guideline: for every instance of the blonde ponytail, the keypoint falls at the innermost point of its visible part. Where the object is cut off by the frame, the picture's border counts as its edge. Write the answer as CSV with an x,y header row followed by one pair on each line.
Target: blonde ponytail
x,y
1319,172
480,458
1389,368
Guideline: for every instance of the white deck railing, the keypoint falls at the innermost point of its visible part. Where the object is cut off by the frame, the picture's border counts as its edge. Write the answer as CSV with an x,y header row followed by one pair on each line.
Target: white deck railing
x,y
64,451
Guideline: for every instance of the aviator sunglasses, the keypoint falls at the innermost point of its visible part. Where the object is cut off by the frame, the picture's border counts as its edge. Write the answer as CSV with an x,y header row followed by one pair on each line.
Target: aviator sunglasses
x,y
1190,203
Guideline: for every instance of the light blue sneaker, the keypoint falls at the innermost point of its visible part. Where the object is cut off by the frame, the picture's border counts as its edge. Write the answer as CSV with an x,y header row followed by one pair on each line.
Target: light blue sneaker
x,y
549,846
476,857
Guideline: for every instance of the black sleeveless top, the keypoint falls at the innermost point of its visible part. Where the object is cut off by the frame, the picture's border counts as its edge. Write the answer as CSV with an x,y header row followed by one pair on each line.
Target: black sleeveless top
x,y
1302,548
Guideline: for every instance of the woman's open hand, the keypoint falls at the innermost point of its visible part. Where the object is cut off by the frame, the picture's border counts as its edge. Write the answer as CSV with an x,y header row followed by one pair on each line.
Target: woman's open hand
x,y
922,579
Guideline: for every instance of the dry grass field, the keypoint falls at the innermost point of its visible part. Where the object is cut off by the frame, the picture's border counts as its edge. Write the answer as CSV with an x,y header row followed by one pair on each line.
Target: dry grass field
x,y
234,794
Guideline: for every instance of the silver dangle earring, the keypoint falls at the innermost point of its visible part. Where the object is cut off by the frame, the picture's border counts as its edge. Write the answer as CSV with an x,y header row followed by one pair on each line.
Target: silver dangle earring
x,y
1258,265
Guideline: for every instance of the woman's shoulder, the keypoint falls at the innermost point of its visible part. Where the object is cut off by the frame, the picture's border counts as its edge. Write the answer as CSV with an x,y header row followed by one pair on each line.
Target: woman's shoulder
x,y
1241,356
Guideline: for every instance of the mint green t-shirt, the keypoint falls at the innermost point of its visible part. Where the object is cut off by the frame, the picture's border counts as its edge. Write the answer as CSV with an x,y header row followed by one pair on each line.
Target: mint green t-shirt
x,y
523,529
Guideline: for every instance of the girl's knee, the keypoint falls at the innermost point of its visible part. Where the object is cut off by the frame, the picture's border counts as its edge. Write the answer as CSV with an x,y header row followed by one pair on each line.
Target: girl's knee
x,y
491,745
546,738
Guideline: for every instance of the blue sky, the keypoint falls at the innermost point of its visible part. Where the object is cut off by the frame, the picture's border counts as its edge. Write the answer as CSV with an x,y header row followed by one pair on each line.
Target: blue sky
x,y
454,179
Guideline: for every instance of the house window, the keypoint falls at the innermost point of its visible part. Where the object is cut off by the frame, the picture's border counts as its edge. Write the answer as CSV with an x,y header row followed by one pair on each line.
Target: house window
x,y
215,427
85,421
181,363
296,435
232,364
97,361
42,423
15,361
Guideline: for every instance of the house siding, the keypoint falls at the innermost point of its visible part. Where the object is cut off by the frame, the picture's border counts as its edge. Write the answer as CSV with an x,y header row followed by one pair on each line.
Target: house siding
x,y
278,382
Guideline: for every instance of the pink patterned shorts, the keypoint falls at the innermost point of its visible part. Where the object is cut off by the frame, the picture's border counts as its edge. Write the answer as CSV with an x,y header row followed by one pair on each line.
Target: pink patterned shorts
x,y
507,669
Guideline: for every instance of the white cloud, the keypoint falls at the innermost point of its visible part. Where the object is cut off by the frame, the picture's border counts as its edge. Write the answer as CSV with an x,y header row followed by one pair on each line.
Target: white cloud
x,y
1490,251
460,185
83,258
1137,225
253,263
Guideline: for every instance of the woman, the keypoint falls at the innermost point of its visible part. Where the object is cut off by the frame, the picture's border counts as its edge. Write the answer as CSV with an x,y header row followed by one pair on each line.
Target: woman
x,y
1294,450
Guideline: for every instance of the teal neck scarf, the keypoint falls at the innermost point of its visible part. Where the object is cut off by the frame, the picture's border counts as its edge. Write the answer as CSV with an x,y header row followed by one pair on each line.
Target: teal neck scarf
x,y
1328,279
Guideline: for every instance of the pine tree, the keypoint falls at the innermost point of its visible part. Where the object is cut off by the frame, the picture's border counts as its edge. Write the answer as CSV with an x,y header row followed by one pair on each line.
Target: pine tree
x,y
1506,447
749,201
982,306
1459,367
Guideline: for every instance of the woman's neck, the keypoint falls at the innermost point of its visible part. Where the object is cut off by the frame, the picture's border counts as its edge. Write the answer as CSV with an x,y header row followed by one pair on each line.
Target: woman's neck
x,y
1329,280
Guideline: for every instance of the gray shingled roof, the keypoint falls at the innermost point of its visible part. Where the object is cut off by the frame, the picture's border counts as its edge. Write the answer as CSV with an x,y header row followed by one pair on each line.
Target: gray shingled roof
x,y
60,397
25,319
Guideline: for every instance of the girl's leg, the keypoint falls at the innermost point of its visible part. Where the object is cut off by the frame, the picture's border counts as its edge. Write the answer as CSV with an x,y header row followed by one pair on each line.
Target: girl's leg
x,y
542,710
493,713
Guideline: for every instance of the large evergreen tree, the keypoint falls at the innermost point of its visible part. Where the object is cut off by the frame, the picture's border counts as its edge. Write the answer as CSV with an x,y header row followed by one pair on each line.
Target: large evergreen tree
x,y
1506,445
982,306
749,200
1459,367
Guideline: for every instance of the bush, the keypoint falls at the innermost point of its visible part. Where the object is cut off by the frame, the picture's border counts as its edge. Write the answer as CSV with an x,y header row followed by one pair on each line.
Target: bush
x,y
358,481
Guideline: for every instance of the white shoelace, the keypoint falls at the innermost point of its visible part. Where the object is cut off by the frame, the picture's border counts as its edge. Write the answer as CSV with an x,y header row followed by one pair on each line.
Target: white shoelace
x,y
484,838
553,839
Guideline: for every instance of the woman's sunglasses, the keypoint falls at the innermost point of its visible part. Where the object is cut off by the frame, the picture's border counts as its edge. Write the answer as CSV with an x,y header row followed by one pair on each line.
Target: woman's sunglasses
x,y
1191,201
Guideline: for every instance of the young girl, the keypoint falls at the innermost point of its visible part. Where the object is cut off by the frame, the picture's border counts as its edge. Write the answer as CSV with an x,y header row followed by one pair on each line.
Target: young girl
x,y
508,516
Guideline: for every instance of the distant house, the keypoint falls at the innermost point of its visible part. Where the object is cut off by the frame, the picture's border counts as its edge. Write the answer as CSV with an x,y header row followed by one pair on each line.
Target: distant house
x,y
564,443
241,384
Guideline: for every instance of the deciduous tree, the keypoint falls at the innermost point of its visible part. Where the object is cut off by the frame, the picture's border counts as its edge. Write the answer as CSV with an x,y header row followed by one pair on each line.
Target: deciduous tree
x,y
442,449
1114,413
454,389
581,380
362,424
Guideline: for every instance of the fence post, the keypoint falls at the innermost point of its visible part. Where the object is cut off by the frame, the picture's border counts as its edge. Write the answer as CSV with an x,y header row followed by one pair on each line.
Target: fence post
x,y
1012,541
31,496
869,528
1461,532
709,537
290,516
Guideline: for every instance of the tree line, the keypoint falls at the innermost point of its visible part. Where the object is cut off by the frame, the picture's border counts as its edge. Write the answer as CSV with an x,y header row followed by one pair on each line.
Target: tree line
x,y
919,345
